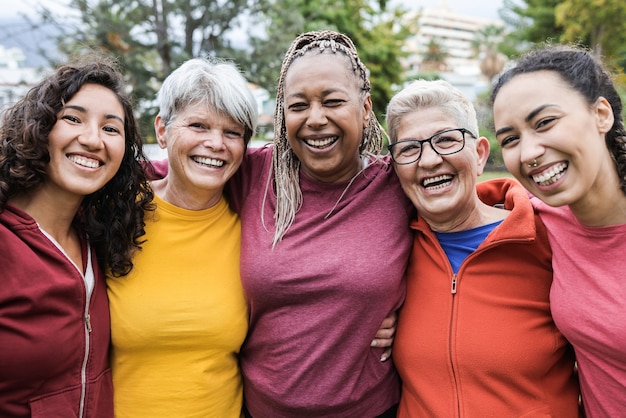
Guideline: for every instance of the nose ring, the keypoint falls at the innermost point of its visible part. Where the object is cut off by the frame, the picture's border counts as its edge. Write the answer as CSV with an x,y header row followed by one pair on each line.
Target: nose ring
x,y
533,164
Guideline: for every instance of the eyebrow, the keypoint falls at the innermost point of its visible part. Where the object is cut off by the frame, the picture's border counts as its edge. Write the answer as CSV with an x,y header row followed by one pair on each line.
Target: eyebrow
x,y
528,118
323,94
536,111
83,110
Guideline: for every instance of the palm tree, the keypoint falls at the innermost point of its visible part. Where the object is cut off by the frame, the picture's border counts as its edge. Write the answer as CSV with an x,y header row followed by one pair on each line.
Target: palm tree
x,y
434,58
485,46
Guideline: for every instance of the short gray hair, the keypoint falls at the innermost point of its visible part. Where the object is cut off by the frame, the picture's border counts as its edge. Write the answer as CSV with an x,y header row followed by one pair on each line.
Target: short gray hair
x,y
215,82
424,94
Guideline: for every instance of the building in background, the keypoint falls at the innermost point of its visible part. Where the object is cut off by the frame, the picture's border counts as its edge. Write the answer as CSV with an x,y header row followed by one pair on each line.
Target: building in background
x,y
15,80
453,46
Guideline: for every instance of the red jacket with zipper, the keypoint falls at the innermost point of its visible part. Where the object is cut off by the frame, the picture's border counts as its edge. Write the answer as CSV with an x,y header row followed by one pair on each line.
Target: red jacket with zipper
x,y
51,365
491,348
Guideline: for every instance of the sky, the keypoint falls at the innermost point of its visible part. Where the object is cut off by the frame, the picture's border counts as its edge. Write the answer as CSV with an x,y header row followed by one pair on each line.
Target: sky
x,y
482,8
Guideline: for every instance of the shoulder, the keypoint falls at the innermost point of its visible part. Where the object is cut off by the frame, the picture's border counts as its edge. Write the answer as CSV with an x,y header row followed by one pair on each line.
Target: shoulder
x,y
505,192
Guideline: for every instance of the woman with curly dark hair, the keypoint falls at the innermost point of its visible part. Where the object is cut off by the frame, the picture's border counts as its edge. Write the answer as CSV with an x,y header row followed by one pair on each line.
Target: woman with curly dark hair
x,y
558,119
72,200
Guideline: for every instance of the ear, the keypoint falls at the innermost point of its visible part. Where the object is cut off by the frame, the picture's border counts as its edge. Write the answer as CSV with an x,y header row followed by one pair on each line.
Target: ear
x,y
482,149
159,130
604,115
367,110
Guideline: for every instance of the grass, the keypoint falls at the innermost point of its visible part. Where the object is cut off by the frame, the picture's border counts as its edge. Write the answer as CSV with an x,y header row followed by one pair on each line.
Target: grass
x,y
488,175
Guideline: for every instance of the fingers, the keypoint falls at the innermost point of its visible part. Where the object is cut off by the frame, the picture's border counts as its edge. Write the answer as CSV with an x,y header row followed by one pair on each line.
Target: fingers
x,y
390,321
385,335
386,355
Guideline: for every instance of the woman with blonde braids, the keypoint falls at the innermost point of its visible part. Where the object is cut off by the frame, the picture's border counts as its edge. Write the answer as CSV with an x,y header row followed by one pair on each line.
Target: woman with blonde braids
x,y
325,243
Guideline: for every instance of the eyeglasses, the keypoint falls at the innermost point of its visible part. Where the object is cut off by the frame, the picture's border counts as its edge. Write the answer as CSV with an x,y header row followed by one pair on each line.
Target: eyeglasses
x,y
443,143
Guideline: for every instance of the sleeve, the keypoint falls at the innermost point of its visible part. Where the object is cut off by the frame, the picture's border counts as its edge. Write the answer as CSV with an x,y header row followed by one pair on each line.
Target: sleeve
x,y
156,170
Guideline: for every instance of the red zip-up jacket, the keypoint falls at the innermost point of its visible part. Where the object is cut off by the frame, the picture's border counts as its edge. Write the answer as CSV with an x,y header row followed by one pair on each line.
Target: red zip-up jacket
x,y
482,343
54,341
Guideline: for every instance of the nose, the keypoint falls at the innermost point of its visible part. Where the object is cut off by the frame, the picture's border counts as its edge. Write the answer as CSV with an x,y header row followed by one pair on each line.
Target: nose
x,y
530,149
214,139
90,137
317,115
429,157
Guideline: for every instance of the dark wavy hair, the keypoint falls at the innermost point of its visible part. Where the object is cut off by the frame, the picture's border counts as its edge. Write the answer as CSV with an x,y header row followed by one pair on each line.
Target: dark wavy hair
x,y
111,217
585,73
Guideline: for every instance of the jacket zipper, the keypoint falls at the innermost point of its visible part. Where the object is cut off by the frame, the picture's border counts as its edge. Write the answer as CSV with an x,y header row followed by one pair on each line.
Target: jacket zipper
x,y
450,340
87,319
454,282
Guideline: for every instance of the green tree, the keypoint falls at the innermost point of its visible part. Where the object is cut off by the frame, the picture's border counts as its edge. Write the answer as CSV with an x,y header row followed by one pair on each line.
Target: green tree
x,y
597,24
529,22
376,30
434,58
486,47
600,24
150,37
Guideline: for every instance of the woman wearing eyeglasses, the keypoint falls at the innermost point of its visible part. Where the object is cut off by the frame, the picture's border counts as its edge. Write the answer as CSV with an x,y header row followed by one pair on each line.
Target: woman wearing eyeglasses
x,y
475,336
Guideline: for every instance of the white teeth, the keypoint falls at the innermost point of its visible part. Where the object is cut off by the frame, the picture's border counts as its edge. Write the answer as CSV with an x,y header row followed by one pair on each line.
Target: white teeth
x,y
550,176
321,143
209,161
85,162
437,182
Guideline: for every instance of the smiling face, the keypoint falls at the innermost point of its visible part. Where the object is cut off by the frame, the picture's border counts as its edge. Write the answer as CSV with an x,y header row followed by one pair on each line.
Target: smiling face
x,y
538,116
205,148
442,188
86,144
325,114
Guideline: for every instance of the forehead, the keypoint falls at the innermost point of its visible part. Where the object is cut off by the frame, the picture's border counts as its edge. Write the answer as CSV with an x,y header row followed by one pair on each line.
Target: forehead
x,y
528,89
524,93
203,111
424,123
321,65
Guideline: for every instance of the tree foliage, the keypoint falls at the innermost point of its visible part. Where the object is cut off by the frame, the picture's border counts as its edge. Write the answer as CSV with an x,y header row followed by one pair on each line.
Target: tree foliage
x,y
532,21
375,29
597,24
600,24
149,37
152,37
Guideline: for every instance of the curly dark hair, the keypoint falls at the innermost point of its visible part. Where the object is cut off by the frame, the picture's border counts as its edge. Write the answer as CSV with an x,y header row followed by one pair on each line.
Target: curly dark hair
x,y
112,217
585,73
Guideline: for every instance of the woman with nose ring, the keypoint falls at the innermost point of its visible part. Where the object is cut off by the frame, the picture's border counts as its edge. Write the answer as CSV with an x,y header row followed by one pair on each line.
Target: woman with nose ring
x,y
558,119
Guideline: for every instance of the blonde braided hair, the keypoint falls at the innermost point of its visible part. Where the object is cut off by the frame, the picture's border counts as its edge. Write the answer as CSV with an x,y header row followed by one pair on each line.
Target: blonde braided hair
x,y
285,163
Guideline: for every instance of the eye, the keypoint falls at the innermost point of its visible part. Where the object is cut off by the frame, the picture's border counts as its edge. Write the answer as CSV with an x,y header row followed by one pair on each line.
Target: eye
x,y
196,125
233,134
410,148
509,141
446,141
298,106
545,122
71,118
333,102
111,129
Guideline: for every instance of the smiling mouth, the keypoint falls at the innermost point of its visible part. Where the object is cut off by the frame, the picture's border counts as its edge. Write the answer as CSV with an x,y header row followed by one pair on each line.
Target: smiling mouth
x,y
321,143
209,162
438,182
550,176
84,161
